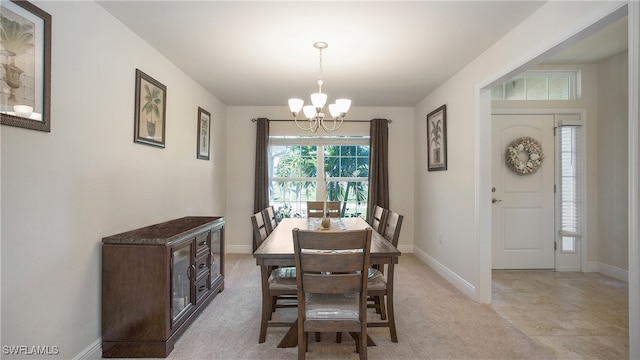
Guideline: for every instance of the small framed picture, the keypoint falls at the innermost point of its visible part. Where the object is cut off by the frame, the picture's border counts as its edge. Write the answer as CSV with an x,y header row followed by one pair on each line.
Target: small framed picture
x,y
204,128
25,55
150,111
437,139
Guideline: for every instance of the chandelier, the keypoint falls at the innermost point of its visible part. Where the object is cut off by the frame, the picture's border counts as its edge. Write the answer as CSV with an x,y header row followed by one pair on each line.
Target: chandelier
x,y
314,112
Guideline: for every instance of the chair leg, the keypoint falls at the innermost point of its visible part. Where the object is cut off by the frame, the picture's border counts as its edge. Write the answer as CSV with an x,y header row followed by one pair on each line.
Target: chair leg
x,y
383,310
362,341
392,318
302,346
266,316
274,302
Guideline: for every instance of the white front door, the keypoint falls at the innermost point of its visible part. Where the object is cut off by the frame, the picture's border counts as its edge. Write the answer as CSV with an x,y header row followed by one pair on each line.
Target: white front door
x,y
523,205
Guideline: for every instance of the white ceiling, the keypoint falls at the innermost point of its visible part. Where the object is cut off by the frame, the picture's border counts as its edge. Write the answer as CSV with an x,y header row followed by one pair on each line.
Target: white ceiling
x,y
381,53
609,41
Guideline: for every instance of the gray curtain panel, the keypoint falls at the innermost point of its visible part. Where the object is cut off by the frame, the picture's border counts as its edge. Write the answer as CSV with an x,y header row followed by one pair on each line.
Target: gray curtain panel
x,y
378,166
261,189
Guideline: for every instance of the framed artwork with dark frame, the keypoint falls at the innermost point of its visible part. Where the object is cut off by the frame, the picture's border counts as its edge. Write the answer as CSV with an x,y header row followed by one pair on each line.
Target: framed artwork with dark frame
x,y
150,110
25,56
437,139
204,134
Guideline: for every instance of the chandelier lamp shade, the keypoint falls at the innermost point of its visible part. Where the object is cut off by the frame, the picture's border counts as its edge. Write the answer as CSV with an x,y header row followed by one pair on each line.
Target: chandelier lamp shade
x,y
314,112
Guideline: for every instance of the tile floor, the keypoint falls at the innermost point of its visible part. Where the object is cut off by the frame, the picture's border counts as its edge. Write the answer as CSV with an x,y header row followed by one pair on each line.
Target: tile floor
x,y
576,315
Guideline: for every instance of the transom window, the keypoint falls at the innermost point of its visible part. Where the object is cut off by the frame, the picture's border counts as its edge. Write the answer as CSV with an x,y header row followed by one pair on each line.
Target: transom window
x,y
316,169
539,85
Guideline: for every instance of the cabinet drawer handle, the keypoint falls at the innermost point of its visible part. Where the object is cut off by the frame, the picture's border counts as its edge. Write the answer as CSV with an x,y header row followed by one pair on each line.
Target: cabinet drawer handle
x,y
203,243
202,288
202,266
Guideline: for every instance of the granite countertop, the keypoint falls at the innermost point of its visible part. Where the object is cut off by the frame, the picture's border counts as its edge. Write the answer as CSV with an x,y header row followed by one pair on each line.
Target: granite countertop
x,y
164,233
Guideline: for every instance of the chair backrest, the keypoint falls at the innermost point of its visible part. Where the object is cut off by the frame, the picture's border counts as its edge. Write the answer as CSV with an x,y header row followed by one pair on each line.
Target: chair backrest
x,y
332,262
269,215
259,229
333,208
315,209
379,219
392,227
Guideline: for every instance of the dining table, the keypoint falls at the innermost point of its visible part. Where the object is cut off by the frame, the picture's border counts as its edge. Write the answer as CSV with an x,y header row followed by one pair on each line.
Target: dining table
x,y
277,250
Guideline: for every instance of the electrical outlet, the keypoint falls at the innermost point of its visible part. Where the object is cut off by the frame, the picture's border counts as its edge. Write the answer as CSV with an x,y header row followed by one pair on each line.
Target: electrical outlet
x,y
440,238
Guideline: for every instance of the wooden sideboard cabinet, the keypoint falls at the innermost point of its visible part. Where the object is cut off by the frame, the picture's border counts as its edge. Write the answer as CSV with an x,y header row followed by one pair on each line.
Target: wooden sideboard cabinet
x,y
155,281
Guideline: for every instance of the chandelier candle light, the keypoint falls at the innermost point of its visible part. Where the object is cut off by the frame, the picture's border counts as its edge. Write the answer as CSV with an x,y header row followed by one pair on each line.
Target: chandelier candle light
x,y
313,112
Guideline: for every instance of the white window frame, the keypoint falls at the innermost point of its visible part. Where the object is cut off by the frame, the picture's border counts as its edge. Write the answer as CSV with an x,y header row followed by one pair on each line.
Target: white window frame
x,y
320,142
571,260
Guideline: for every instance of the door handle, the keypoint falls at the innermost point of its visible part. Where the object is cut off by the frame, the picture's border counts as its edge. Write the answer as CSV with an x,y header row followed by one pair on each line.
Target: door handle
x,y
494,200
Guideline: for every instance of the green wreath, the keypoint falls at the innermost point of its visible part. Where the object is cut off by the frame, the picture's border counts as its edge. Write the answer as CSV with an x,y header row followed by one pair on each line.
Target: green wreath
x,y
524,155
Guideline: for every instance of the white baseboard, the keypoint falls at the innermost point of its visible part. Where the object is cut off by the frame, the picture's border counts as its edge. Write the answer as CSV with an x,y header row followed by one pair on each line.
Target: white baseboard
x,y
92,352
608,270
405,249
614,272
457,281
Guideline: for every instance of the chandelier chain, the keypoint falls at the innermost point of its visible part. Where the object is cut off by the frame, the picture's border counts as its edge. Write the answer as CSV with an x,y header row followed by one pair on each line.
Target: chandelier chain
x,y
320,71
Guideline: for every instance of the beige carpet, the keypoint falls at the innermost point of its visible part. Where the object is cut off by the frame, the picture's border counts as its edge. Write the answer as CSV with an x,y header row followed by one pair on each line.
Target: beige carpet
x,y
434,321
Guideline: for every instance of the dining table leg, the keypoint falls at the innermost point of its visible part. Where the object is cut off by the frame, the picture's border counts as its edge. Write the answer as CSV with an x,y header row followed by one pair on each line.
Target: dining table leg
x,y
290,339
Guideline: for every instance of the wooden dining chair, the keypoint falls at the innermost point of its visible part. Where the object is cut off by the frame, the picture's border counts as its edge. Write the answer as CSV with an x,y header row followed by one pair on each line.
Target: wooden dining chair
x,y
377,222
315,209
332,284
393,224
333,208
260,231
281,290
380,286
270,220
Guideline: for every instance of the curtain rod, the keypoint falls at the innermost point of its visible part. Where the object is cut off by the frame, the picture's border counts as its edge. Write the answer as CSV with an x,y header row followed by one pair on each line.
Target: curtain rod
x,y
346,120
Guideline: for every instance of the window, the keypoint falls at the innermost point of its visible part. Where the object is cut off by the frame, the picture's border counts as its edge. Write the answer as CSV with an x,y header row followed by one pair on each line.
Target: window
x,y
300,165
539,85
570,192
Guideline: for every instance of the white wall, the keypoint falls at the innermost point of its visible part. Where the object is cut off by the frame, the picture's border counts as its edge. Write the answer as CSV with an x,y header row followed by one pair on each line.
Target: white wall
x,y
613,134
63,191
456,202
241,160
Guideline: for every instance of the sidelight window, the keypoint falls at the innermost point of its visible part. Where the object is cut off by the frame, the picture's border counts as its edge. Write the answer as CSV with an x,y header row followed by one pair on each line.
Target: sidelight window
x,y
569,143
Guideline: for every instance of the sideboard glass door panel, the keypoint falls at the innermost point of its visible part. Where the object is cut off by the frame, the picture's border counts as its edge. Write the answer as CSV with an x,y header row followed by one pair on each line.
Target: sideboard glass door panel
x,y
182,298
216,252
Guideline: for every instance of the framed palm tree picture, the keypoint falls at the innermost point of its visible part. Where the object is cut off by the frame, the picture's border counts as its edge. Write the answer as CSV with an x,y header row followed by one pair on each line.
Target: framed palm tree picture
x,y
204,128
437,139
150,110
